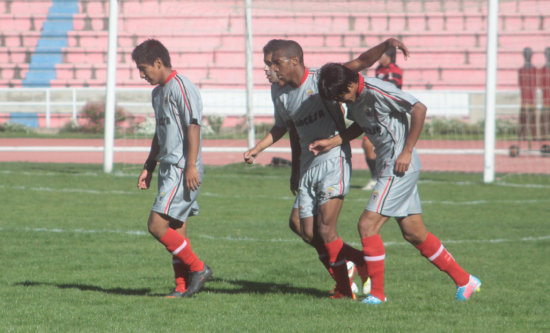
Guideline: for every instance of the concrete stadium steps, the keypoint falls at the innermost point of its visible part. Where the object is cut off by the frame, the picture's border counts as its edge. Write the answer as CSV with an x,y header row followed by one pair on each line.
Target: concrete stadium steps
x,y
206,38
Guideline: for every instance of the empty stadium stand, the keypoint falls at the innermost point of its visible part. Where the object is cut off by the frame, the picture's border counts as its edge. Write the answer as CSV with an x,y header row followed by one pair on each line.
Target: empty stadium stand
x,y
63,43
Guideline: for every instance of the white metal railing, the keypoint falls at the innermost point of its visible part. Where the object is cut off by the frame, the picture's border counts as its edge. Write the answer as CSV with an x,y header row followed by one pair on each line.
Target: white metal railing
x,y
223,102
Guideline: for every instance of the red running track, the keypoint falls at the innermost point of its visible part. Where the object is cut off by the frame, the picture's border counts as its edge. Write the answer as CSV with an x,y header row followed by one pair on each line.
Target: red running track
x,y
527,162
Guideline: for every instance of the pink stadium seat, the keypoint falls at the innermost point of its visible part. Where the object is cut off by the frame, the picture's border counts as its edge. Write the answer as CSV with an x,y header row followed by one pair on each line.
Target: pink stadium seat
x,y
37,7
10,83
93,8
87,22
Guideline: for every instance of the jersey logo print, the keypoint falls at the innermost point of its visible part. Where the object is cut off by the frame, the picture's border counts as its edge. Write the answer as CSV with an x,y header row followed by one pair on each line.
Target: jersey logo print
x,y
163,121
310,119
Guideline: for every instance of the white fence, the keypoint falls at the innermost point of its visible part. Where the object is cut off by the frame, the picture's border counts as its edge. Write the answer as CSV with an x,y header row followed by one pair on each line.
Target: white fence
x,y
53,102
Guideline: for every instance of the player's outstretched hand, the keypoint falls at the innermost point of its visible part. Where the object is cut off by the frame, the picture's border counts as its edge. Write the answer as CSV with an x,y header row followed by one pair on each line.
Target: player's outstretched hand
x,y
144,179
192,180
249,156
399,45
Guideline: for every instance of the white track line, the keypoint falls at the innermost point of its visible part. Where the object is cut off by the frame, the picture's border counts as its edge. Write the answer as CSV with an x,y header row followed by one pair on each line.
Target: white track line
x,y
426,151
270,240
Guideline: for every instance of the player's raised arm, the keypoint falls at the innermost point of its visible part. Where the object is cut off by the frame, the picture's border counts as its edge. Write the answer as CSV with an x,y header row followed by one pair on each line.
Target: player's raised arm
x,y
369,57
144,179
273,136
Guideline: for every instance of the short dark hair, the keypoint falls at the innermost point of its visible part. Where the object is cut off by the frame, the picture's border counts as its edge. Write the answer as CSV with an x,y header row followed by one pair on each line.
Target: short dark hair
x,y
289,49
149,51
272,45
334,80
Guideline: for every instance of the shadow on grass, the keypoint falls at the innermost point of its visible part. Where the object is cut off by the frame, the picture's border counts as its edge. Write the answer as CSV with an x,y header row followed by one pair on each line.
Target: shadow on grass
x,y
86,287
254,287
238,287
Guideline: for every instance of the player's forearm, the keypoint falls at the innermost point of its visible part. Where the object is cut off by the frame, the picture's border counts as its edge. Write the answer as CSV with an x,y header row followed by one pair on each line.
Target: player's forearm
x,y
369,57
294,142
151,162
351,132
418,115
273,136
193,144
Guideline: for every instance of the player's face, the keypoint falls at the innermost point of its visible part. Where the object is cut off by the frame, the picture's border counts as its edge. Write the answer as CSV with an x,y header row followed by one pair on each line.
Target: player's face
x,y
151,73
350,96
269,73
282,66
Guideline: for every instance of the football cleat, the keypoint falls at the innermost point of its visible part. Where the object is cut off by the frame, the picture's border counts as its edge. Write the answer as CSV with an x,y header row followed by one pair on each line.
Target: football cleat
x,y
365,279
373,300
352,271
177,294
463,293
197,280
352,285
339,295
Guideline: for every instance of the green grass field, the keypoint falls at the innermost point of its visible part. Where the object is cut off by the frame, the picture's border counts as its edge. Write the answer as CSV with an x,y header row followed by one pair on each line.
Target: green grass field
x,y
76,257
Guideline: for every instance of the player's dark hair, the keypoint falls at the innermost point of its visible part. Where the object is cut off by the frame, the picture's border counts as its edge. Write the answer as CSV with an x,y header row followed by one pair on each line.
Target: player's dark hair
x,y
391,53
290,49
273,45
149,51
334,80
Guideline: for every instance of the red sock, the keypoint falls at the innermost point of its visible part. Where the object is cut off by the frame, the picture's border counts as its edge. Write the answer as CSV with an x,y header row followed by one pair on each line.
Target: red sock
x,y
375,254
323,258
339,267
181,274
181,248
436,253
352,254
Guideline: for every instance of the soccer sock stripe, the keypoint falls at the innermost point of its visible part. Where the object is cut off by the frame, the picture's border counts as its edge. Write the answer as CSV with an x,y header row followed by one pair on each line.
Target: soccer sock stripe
x,y
338,265
436,253
181,248
375,255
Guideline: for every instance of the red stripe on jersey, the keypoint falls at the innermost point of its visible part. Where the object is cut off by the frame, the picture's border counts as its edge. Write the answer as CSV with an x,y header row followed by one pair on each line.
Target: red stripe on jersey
x,y
171,76
185,98
382,199
383,93
171,196
341,176
304,78
361,84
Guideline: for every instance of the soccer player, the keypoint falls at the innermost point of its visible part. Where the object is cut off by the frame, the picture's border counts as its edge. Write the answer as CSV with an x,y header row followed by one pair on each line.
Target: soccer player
x,y
387,70
324,180
177,146
380,110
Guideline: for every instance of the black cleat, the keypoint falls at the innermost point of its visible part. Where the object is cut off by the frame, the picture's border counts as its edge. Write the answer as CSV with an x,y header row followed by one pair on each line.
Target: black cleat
x,y
197,280
177,294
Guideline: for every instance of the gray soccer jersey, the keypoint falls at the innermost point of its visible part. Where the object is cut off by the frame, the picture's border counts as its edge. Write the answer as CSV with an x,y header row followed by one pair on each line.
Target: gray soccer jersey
x,y
381,110
177,104
313,117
